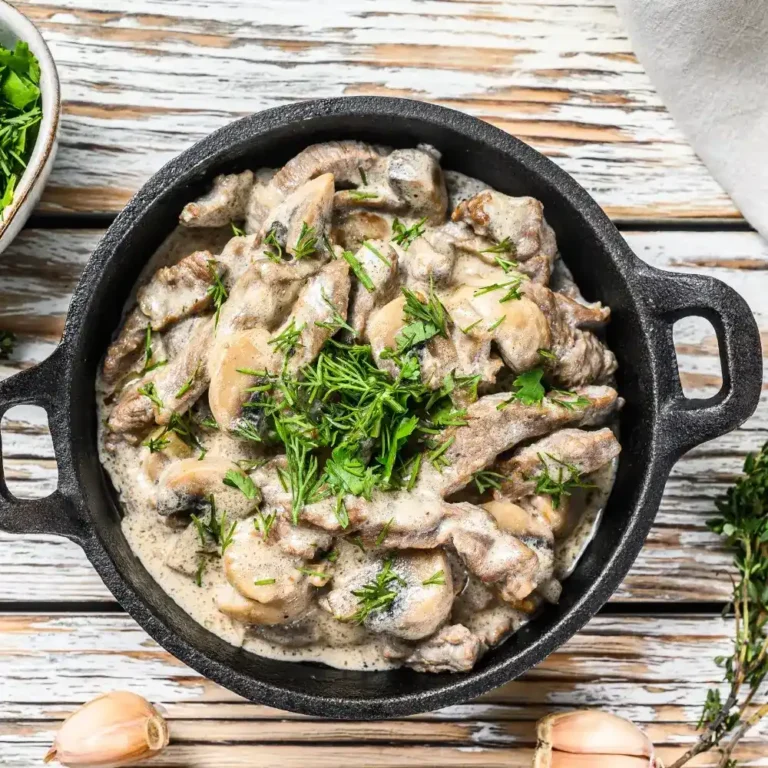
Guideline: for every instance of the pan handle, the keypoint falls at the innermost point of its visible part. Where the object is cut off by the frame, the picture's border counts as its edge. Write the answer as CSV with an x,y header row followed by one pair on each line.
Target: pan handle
x,y
686,422
56,514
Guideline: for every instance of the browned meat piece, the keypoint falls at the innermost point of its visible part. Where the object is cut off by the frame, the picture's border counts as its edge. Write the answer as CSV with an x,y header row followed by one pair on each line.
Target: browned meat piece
x,y
225,202
452,649
417,180
461,187
491,431
302,219
352,228
418,609
178,291
299,540
380,262
516,220
126,351
343,159
580,449
237,255
581,357
424,265
187,371
493,622
263,198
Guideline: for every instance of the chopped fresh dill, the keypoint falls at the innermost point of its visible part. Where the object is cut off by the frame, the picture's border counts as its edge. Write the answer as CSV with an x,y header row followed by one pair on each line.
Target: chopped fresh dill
x,y
149,364
378,594
356,194
217,291
156,444
567,479
263,523
337,320
306,245
546,354
150,390
314,574
364,178
263,582
287,341
504,246
485,479
556,396
472,325
329,246
359,270
209,423
274,251
403,235
496,324
437,579
358,542
511,289
377,253
199,572
236,231
187,385
247,430
437,455
340,510
384,532
214,528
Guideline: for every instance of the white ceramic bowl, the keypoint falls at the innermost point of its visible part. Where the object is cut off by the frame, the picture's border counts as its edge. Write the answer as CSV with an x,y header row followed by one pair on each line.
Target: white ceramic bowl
x,y
15,26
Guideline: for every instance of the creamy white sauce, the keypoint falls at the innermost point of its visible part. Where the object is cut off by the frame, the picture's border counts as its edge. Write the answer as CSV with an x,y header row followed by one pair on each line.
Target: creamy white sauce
x,y
318,637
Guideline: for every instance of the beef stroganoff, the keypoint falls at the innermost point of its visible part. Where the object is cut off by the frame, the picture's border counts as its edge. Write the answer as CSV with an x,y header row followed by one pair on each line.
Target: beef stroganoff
x,y
359,413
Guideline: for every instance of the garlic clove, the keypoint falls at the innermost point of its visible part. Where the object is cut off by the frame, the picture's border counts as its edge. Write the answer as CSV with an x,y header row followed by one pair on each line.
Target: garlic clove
x,y
595,733
568,760
113,730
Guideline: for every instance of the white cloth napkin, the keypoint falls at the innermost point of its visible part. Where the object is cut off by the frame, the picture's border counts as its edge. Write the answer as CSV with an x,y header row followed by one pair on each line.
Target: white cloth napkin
x,y
709,62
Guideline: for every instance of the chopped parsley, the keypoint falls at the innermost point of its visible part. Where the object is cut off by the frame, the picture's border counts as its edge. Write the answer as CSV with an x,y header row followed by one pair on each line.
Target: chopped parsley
x,y
403,235
426,319
530,390
241,481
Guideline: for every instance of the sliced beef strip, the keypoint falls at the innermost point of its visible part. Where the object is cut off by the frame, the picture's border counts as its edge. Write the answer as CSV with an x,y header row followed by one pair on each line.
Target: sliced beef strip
x,y
452,649
343,159
586,451
127,350
180,290
226,202
350,229
417,180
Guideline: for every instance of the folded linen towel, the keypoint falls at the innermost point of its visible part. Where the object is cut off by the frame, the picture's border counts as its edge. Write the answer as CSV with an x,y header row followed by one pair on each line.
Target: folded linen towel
x,y
708,59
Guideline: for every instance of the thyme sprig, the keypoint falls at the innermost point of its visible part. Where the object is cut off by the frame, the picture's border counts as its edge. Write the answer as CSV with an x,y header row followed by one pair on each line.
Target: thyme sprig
x,y
743,521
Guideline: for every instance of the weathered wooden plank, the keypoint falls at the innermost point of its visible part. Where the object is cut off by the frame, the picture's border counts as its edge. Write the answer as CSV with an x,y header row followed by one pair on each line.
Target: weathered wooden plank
x,y
681,560
143,82
653,670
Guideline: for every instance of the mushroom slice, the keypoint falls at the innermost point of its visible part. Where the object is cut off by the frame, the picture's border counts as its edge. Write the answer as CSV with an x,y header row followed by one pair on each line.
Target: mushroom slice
x,y
270,580
560,455
417,179
229,364
225,202
381,332
178,291
518,221
190,483
300,221
380,262
184,555
343,159
452,649
416,610
352,228
154,462
263,198
424,265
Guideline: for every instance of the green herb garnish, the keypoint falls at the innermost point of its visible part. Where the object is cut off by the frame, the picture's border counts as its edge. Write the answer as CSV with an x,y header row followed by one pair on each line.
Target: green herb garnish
x,y
378,594
306,245
263,582
217,291
156,444
150,390
557,395
236,231
187,385
274,251
313,574
403,235
149,364
358,195
472,325
242,482
384,532
496,324
199,572
436,578
263,523
337,321
7,343
359,270
530,389
485,479
511,290
547,354
20,115
215,527
377,253
567,479
288,340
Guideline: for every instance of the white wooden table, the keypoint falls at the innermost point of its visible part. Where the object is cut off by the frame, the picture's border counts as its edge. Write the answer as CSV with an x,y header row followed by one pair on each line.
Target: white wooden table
x,y
143,80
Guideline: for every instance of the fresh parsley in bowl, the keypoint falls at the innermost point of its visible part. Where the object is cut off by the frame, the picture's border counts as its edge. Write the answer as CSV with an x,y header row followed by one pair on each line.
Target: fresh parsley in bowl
x,y
29,119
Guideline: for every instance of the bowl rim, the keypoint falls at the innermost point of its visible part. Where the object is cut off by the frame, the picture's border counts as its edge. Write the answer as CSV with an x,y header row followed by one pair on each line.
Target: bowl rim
x,y
189,166
24,30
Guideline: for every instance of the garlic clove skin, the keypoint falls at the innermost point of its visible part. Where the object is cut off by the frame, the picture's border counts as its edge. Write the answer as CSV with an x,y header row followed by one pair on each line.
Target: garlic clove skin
x,y
113,730
592,739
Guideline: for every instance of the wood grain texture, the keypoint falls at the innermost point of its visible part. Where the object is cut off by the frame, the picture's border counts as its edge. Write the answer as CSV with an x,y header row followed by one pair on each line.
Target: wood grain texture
x,y
682,560
653,670
144,80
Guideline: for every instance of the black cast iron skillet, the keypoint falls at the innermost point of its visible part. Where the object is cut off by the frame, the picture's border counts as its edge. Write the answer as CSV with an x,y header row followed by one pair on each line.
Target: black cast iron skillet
x,y
658,423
